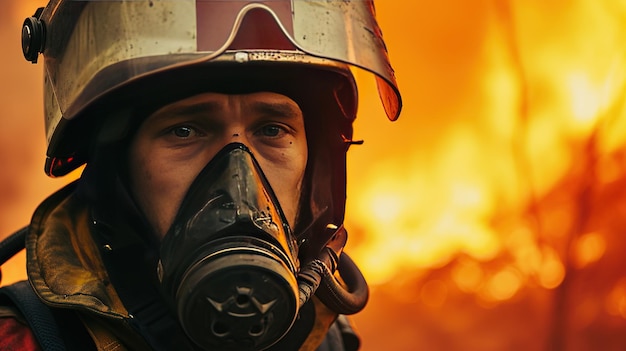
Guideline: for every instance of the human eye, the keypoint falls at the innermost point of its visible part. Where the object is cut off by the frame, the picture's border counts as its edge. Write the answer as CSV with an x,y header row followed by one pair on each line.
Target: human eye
x,y
183,132
272,130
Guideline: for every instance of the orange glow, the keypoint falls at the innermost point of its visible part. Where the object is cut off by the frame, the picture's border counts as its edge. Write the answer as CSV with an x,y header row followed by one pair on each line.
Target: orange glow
x,y
588,248
490,216
433,293
468,276
504,284
616,301
551,272
499,185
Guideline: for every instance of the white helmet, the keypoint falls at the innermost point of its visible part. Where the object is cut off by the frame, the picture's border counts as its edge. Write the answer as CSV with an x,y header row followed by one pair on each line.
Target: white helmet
x,y
101,55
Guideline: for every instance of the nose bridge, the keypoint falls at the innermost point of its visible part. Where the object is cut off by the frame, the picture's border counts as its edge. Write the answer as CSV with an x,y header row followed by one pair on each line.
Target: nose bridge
x,y
237,134
236,128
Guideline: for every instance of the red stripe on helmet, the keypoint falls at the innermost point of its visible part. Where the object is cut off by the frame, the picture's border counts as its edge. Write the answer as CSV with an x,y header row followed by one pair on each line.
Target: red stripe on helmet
x,y
259,30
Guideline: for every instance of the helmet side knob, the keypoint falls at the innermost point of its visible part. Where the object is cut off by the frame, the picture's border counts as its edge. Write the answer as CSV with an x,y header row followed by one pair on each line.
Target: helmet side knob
x,y
33,36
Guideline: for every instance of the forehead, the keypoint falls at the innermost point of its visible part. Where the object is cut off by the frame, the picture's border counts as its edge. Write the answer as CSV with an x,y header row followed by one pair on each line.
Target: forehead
x,y
259,103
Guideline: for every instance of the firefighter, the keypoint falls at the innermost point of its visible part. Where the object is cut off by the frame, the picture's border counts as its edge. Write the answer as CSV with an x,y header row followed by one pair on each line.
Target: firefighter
x,y
209,213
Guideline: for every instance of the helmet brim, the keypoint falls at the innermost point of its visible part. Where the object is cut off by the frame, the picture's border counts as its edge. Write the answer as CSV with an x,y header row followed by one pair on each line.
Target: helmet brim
x,y
117,108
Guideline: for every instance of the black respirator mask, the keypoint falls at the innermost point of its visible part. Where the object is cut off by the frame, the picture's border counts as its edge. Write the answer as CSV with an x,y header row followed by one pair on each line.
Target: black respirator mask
x,y
229,263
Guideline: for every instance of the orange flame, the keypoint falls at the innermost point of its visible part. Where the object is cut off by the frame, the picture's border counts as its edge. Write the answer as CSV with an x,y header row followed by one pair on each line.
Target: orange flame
x,y
507,198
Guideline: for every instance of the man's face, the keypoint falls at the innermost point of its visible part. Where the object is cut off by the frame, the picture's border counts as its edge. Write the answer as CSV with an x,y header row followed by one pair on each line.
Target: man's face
x,y
176,142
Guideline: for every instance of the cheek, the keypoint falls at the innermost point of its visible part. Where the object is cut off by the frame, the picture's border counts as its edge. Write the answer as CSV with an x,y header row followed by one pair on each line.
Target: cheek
x,y
156,186
286,177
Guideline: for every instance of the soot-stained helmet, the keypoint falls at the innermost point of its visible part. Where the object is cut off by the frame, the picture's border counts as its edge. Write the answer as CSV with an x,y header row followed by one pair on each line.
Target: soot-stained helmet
x,y
106,58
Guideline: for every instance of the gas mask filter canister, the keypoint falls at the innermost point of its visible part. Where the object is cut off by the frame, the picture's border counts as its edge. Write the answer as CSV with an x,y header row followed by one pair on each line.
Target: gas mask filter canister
x,y
229,261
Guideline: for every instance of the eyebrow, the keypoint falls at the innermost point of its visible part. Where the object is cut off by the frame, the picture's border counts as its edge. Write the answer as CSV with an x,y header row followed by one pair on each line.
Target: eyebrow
x,y
268,108
277,109
190,109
